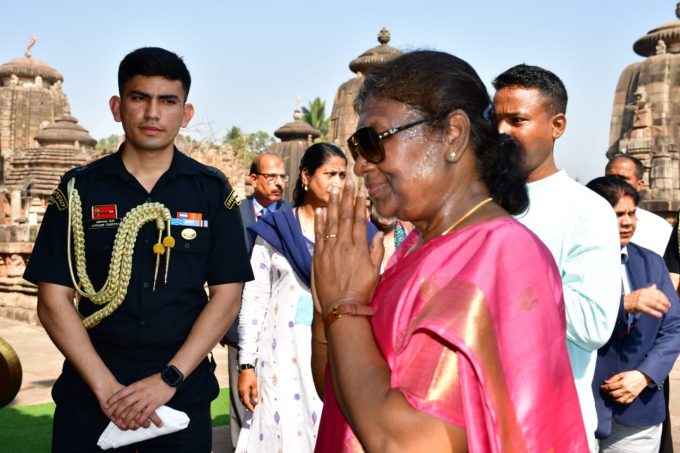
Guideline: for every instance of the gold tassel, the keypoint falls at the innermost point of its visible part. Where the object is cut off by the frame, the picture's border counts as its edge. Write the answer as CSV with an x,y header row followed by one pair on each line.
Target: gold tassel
x,y
169,243
158,249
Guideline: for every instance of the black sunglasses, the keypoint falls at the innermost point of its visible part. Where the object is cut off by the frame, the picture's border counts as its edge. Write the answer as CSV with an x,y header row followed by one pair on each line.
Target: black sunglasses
x,y
367,143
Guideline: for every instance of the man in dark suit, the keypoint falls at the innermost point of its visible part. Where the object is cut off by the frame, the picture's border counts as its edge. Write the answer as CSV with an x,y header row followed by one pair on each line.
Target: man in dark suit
x,y
632,366
268,179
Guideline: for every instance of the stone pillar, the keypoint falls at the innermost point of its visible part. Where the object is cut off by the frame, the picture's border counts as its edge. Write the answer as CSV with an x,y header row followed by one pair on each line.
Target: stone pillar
x,y
15,202
664,173
35,211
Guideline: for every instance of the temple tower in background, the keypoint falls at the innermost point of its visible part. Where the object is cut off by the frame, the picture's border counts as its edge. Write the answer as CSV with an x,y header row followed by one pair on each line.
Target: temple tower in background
x,y
30,98
296,137
646,116
343,120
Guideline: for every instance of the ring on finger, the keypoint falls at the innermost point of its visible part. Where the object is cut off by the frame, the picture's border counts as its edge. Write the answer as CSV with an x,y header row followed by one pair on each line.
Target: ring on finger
x,y
330,236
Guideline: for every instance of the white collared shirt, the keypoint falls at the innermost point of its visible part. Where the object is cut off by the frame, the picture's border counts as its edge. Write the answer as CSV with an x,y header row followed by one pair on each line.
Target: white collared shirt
x,y
625,281
257,207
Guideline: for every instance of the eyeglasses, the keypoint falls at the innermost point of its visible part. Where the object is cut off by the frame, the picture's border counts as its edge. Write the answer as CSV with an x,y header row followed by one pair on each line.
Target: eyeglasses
x,y
367,143
271,177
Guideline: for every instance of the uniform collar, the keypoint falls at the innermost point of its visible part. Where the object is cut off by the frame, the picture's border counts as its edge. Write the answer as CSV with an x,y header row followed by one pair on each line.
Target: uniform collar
x,y
181,164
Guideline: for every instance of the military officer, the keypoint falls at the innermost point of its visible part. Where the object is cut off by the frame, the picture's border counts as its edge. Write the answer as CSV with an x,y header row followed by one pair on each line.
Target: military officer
x,y
139,233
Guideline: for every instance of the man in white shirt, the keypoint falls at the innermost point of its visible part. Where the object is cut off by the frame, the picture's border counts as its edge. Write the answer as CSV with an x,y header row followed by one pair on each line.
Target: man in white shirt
x,y
578,227
652,231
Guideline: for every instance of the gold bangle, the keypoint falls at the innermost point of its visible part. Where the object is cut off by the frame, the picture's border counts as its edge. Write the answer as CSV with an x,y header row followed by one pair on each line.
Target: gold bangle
x,y
348,309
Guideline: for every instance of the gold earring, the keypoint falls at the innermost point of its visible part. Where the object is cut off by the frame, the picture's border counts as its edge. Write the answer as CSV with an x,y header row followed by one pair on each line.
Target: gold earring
x,y
452,155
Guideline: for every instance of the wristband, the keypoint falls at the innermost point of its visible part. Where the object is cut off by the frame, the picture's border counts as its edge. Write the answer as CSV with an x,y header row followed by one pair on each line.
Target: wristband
x,y
246,366
348,309
172,376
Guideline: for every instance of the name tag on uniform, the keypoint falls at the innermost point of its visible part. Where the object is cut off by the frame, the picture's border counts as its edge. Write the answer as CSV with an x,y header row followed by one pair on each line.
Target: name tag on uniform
x,y
103,223
104,216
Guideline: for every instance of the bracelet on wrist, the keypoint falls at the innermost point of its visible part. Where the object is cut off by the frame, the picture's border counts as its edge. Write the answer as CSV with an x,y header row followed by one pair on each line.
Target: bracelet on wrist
x,y
347,309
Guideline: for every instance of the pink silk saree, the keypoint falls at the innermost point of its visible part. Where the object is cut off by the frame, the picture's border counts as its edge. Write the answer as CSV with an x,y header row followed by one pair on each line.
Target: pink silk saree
x,y
472,326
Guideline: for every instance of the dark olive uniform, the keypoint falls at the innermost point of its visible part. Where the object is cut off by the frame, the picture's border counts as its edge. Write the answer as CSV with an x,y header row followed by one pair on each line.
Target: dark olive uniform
x,y
149,327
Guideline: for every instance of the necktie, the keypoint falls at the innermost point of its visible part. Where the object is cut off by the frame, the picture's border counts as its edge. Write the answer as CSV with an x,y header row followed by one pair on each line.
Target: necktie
x,y
264,212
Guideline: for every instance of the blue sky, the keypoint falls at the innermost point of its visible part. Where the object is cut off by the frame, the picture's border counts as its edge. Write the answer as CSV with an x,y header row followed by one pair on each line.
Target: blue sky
x,y
250,60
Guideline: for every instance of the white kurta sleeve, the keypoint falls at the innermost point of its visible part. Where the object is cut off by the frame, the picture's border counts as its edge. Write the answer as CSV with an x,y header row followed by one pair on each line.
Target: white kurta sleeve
x,y
254,302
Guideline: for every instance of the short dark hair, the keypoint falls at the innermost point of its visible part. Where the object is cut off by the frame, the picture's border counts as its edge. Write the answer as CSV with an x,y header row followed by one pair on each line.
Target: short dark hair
x,y
314,157
547,83
435,84
612,189
153,61
639,167
255,166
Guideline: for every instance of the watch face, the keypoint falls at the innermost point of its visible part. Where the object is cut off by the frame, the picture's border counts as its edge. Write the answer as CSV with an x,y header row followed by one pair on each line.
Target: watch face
x,y
172,376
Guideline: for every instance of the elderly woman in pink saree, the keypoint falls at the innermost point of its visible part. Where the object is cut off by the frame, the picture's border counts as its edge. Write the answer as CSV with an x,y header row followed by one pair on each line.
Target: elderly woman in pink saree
x,y
460,344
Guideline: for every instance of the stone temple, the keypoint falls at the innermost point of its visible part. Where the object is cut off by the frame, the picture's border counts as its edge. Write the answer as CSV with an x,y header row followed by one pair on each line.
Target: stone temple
x,y
646,116
296,136
30,97
343,119
39,141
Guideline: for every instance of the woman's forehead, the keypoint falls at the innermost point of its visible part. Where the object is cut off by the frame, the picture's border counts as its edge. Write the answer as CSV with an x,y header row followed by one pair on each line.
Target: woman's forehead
x,y
379,110
334,163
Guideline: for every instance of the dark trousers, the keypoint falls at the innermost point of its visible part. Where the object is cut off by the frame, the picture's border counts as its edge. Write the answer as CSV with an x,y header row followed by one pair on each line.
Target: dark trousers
x,y
77,428
666,434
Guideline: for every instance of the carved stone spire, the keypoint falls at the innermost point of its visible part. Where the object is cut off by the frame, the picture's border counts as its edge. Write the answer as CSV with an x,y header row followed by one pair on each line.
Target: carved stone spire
x,y
668,32
375,56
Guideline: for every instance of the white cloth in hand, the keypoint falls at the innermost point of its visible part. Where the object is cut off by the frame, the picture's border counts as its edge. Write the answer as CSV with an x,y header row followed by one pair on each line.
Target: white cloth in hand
x,y
114,437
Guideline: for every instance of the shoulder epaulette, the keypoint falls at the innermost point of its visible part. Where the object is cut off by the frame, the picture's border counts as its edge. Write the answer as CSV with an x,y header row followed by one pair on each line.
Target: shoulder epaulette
x,y
215,173
75,172
59,197
82,170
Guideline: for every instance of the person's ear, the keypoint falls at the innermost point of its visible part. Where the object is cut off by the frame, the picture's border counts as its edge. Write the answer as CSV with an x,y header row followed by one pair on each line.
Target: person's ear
x,y
457,135
304,175
559,124
188,114
114,104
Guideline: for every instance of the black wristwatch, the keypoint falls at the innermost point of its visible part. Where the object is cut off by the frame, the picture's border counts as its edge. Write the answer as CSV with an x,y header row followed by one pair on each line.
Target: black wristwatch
x,y
172,376
245,366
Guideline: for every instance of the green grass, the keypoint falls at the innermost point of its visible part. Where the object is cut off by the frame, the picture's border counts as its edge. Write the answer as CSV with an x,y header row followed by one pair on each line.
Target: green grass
x,y
28,429
219,409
